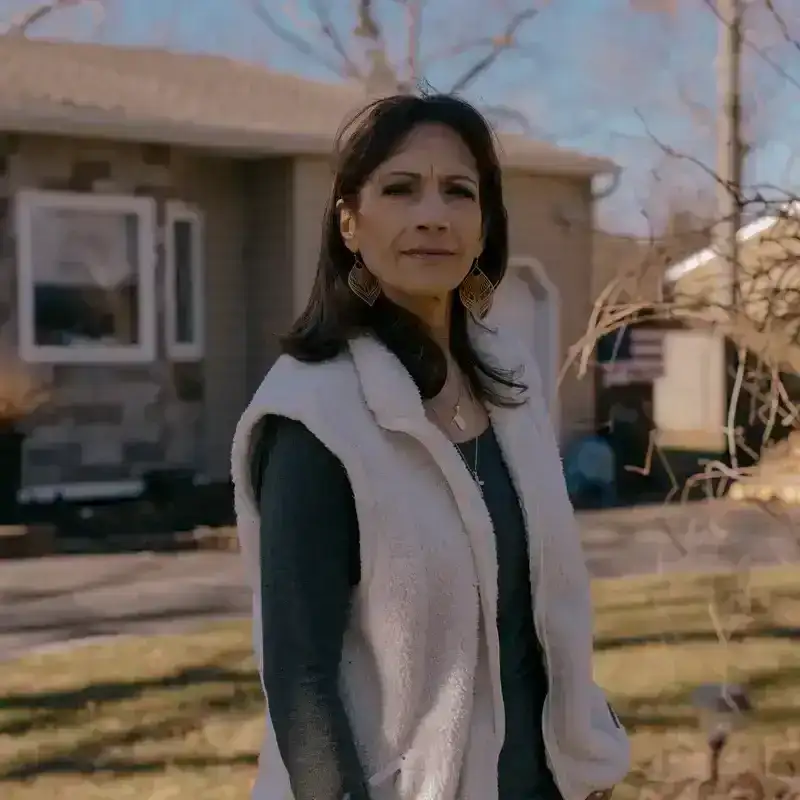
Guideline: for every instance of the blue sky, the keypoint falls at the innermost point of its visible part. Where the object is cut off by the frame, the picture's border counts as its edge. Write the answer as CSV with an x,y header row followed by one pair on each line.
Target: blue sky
x,y
586,75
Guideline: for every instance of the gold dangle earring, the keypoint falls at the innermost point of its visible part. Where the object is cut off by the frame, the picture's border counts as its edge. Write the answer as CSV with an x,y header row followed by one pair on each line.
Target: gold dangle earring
x,y
476,292
363,284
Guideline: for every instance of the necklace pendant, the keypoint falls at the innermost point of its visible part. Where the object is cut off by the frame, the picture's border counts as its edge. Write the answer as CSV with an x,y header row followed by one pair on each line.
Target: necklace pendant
x,y
458,420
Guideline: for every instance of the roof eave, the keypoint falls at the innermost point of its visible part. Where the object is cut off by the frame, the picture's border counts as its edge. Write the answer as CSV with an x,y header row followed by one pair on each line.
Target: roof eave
x,y
577,166
102,125
98,123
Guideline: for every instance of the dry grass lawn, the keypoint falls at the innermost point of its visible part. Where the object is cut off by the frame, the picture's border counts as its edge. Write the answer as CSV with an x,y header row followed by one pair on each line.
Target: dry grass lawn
x,y
659,638
175,717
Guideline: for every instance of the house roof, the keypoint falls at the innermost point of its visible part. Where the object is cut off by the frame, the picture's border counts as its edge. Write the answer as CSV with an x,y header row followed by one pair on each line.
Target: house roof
x,y
745,234
205,101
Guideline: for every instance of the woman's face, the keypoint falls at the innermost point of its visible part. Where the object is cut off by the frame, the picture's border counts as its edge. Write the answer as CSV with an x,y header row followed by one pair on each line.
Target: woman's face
x,y
418,225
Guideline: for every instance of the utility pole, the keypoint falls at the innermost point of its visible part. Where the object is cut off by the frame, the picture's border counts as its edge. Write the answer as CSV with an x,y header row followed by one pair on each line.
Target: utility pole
x,y
730,150
729,171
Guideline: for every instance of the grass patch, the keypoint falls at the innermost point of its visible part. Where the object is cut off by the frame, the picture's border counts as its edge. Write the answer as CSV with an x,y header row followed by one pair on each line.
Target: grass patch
x,y
146,718
657,640
169,717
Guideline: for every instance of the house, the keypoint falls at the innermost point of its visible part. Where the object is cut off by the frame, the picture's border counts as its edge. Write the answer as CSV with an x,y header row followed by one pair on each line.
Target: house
x,y
693,398
159,227
629,272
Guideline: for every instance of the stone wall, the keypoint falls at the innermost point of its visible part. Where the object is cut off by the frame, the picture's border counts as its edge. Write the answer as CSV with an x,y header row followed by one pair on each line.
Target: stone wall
x,y
103,423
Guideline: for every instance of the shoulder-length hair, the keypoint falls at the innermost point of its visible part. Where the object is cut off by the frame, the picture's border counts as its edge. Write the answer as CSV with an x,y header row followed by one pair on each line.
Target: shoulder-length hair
x,y
334,315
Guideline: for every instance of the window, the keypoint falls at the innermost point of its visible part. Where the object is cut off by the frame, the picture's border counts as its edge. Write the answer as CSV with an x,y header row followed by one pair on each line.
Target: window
x,y
184,283
86,278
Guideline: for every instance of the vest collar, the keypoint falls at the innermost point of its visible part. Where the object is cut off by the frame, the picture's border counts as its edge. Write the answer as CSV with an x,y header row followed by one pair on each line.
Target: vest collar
x,y
391,394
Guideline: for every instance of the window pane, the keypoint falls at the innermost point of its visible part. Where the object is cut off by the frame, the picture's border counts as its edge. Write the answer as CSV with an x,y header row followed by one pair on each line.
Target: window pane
x,y
183,249
86,277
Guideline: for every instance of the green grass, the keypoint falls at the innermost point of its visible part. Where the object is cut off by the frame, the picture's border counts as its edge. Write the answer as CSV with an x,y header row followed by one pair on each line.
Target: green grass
x,y
181,716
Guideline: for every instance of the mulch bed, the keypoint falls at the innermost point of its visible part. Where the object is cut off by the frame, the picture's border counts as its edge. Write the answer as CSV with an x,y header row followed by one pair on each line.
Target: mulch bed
x,y
37,541
198,519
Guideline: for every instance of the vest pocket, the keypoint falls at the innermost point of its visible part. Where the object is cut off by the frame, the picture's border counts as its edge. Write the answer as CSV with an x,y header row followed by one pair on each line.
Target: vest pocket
x,y
386,778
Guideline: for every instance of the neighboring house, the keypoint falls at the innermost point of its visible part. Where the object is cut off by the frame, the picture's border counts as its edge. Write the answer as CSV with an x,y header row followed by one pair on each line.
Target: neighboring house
x,y
692,399
633,394
159,227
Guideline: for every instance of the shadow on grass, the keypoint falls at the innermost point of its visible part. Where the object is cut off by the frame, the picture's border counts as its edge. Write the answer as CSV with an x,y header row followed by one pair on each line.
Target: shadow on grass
x,y
74,765
241,693
76,622
686,719
663,604
113,691
606,643
91,756
58,708
673,709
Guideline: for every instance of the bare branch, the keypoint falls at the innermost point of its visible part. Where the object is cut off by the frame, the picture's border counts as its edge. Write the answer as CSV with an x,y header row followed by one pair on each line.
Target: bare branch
x,y
702,115
308,48
760,51
500,44
783,27
504,115
362,53
413,9
673,153
21,26
332,35
368,27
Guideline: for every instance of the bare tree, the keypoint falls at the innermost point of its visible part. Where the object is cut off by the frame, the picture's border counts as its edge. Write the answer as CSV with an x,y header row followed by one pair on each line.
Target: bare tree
x,y
652,58
389,44
752,296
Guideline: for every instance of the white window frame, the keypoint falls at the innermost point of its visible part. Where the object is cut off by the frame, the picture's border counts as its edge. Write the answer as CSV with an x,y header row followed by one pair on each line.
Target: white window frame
x,y
177,211
28,200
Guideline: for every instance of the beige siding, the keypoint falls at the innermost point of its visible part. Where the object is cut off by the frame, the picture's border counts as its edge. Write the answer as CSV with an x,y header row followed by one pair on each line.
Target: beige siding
x,y
215,185
550,220
285,199
312,184
269,275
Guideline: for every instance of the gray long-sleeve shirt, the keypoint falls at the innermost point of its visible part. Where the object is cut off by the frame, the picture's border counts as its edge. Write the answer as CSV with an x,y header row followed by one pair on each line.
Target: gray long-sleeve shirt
x,y
310,563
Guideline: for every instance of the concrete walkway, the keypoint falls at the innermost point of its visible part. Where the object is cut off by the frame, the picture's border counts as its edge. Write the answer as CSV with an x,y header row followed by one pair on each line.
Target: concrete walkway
x,y
55,601
697,536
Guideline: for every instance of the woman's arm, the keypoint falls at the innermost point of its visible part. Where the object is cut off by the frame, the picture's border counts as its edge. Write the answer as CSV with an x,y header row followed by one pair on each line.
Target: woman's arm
x,y
309,565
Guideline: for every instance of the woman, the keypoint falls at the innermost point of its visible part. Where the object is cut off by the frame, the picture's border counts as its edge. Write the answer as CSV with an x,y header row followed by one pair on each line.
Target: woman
x,y
422,608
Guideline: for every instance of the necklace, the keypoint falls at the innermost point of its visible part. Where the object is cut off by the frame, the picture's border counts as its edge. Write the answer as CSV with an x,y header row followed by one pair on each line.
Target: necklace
x,y
457,419
473,470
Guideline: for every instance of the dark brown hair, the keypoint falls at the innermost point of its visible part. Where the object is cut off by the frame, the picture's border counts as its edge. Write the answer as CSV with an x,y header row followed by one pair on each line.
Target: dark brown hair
x,y
335,315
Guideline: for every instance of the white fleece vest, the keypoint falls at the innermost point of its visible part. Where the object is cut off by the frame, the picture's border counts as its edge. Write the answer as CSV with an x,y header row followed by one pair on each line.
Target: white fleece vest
x,y
420,671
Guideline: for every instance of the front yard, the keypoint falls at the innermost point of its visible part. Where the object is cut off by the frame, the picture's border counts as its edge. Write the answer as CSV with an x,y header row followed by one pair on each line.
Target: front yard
x,y
164,718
